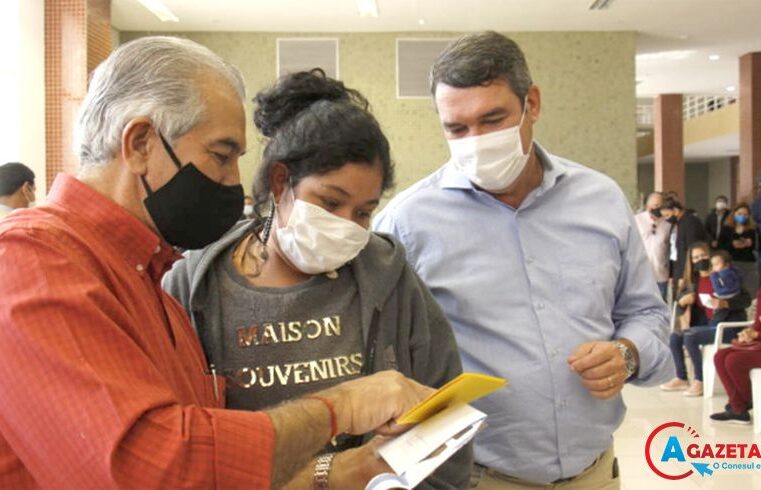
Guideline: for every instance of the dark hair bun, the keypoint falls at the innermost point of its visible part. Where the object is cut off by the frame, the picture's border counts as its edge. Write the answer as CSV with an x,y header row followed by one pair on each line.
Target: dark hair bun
x,y
294,93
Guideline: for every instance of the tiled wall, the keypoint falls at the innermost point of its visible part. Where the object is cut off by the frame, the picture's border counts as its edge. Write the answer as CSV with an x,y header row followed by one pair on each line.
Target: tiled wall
x,y
98,32
587,82
77,38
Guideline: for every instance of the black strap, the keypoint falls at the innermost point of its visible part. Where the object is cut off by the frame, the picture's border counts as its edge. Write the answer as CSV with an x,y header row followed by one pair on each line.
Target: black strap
x,y
148,190
169,150
372,340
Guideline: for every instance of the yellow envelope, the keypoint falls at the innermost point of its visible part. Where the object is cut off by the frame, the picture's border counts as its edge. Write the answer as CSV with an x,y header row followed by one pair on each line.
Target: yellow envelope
x,y
463,389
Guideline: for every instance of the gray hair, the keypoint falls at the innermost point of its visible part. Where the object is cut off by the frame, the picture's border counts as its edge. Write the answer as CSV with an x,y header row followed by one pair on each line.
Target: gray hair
x,y
479,59
154,77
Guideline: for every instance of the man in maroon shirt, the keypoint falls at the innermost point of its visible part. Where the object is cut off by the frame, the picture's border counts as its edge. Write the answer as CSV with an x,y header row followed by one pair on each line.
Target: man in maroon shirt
x,y
103,382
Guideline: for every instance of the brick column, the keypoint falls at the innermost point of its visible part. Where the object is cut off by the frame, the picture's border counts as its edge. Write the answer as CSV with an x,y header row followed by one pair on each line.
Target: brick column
x,y
669,147
750,125
77,38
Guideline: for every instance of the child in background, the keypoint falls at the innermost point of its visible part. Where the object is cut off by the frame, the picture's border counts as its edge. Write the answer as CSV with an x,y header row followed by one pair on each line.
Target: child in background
x,y
725,278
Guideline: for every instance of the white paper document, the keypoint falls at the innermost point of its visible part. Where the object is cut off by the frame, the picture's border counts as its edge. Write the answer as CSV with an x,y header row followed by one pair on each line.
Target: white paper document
x,y
418,452
707,300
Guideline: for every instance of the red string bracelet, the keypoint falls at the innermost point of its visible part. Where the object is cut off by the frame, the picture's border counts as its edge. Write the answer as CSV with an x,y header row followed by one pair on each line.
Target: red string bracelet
x,y
333,419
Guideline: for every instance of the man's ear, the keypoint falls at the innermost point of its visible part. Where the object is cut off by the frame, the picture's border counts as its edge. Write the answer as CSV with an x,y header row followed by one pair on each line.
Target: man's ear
x,y
29,191
534,98
138,138
278,179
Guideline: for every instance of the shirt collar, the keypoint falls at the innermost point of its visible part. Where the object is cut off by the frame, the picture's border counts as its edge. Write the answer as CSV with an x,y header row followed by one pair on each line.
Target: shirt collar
x,y
139,245
552,166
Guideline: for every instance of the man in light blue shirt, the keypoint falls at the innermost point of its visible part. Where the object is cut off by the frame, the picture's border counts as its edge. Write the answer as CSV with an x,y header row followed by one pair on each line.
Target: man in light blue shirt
x,y
538,264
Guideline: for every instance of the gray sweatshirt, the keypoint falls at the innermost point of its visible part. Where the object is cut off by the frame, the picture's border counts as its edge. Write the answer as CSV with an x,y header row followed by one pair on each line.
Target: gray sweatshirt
x,y
403,327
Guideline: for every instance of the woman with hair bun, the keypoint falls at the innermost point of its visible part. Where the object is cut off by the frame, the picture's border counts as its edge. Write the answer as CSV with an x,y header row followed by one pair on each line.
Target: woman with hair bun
x,y
303,296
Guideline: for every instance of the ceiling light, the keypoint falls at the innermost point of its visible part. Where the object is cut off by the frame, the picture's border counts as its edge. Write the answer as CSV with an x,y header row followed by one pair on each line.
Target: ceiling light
x,y
600,4
714,57
731,88
367,8
160,10
421,22
680,54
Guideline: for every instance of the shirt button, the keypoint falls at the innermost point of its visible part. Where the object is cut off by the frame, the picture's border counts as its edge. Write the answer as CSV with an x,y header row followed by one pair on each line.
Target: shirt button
x,y
540,306
529,260
140,268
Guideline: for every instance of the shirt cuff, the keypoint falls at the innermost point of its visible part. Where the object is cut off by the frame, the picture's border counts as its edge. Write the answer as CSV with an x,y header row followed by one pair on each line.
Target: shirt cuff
x,y
244,449
655,363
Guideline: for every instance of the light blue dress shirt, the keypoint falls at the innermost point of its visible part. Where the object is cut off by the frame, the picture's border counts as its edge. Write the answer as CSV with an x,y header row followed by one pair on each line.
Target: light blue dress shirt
x,y
523,288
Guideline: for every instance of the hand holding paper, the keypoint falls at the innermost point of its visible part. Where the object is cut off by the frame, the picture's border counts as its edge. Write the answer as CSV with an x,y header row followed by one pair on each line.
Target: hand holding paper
x,y
445,424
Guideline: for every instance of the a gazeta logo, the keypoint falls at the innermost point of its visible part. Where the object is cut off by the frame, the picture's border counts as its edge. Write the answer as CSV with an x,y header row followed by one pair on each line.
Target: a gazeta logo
x,y
684,453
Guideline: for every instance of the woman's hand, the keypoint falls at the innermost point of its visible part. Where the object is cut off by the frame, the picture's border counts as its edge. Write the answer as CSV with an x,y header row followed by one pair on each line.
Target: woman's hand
x,y
744,243
720,304
687,300
356,467
747,335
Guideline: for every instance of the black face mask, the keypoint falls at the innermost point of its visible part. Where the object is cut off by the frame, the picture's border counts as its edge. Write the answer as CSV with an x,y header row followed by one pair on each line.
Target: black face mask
x,y
656,212
672,220
702,265
191,210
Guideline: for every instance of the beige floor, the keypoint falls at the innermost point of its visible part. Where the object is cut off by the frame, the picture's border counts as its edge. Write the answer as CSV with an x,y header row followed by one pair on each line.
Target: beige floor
x,y
647,409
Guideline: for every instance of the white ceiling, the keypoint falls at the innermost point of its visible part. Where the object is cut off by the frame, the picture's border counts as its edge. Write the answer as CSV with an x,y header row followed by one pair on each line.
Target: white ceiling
x,y
697,28
710,149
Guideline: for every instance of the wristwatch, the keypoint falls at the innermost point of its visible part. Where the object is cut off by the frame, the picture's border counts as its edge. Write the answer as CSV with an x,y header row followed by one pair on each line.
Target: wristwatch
x,y
322,471
630,362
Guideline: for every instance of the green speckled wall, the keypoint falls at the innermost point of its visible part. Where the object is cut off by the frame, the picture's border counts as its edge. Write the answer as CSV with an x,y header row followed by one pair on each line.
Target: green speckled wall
x,y
586,78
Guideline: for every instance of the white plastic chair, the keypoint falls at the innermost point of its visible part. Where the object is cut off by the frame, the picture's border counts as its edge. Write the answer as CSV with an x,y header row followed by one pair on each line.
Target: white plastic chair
x,y
709,368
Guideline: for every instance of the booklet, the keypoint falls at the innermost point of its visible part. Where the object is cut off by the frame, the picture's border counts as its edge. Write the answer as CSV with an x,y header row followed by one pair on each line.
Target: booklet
x,y
445,424
418,452
463,389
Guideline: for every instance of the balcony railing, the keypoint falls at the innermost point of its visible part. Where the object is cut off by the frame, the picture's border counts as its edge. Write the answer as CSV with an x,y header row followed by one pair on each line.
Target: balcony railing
x,y
692,106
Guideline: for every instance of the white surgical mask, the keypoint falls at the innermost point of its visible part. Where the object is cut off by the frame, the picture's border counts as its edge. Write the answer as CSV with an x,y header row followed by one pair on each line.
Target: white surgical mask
x,y
316,241
491,161
721,206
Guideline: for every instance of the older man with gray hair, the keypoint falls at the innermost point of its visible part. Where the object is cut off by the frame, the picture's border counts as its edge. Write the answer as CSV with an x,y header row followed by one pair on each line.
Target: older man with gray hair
x,y
103,381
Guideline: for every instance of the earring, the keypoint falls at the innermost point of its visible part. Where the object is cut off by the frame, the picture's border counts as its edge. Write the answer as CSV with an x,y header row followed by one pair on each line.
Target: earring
x,y
267,227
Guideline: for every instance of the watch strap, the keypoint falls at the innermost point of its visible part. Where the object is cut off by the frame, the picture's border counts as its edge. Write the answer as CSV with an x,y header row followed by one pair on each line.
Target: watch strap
x,y
322,471
630,363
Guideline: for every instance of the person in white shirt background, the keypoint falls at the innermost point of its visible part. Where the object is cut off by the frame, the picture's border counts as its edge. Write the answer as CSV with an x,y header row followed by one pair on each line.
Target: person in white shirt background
x,y
654,230
16,187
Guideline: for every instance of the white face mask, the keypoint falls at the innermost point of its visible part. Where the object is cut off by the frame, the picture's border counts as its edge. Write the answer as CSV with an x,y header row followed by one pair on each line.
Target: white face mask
x,y
248,210
721,206
316,241
491,161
